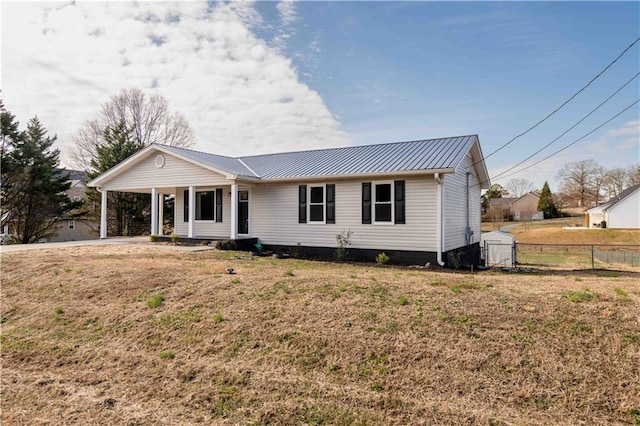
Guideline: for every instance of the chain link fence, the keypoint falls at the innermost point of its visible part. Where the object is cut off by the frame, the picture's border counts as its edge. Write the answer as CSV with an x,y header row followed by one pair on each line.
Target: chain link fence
x,y
578,256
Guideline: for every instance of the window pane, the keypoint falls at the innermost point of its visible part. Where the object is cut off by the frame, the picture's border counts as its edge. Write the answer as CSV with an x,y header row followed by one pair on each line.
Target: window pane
x,y
383,193
316,213
383,213
317,194
204,205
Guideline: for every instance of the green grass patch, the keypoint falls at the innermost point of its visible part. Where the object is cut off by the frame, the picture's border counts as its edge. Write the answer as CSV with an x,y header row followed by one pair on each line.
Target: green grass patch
x,y
622,294
156,301
581,296
168,354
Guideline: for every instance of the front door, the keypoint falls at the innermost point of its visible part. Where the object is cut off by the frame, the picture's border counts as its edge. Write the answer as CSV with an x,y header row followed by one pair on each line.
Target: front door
x,y
243,212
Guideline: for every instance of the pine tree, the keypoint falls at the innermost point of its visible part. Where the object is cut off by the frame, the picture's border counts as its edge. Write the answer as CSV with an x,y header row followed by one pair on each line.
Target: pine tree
x,y
126,211
33,188
546,203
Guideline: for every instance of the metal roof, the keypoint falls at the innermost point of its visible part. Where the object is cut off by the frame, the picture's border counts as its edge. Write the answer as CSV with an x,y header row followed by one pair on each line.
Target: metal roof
x,y
421,155
228,164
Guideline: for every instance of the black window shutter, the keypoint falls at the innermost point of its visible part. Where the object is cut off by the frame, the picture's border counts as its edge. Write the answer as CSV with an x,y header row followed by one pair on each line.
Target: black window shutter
x,y
399,201
218,204
366,202
302,207
186,206
331,203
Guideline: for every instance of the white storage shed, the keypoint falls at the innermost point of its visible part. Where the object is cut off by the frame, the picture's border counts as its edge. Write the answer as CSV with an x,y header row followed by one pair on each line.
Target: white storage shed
x,y
498,249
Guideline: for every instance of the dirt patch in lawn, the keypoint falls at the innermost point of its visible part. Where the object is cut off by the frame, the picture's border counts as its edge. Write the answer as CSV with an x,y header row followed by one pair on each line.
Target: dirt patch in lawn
x,y
139,335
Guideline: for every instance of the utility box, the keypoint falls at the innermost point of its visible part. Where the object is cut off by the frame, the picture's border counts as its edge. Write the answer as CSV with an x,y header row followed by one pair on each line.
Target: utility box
x,y
498,249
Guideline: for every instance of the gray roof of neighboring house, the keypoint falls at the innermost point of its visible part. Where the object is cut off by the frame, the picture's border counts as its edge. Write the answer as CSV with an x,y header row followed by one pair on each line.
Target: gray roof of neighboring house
x,y
429,154
615,200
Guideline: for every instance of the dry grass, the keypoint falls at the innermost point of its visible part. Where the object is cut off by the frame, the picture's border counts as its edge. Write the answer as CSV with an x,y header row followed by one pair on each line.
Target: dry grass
x,y
577,236
298,342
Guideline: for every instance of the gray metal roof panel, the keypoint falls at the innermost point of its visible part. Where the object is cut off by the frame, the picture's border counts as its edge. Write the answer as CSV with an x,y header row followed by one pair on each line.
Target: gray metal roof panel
x,y
225,164
430,154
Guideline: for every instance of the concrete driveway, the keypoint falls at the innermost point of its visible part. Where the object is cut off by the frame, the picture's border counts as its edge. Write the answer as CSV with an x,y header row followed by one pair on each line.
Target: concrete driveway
x,y
42,246
108,241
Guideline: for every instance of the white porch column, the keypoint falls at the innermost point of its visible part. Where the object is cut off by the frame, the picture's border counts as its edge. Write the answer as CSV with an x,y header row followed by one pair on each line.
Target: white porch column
x,y
234,211
154,211
161,214
192,211
103,215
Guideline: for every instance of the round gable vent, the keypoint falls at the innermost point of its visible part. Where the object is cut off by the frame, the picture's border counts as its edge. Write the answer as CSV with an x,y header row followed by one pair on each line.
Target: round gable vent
x,y
160,161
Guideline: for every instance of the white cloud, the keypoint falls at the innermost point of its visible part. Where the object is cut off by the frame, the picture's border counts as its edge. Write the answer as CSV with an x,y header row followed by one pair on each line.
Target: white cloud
x,y
241,95
287,9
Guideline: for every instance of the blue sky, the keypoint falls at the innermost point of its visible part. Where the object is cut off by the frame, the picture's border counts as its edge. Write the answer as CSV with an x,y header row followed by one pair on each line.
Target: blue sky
x,y
276,76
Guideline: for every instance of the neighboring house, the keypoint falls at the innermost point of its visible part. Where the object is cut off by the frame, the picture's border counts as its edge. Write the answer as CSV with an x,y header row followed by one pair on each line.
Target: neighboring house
x,y
71,228
519,209
76,228
526,207
417,201
622,211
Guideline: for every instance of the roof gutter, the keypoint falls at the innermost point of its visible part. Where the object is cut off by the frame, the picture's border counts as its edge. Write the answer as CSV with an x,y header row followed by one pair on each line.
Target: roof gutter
x,y
375,175
440,230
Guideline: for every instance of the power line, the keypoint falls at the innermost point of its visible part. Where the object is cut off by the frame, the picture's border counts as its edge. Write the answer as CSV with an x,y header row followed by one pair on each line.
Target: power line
x,y
569,129
574,142
563,104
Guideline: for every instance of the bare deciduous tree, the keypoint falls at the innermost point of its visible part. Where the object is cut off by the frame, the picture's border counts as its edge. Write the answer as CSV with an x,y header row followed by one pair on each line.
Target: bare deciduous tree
x,y
580,181
517,187
148,117
633,175
615,181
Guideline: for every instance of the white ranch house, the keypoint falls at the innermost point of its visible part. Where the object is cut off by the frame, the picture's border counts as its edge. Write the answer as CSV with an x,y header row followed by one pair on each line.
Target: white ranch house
x,y
417,201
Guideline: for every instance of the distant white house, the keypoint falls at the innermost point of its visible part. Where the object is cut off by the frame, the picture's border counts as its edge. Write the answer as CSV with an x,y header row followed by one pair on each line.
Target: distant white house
x,y
621,212
417,201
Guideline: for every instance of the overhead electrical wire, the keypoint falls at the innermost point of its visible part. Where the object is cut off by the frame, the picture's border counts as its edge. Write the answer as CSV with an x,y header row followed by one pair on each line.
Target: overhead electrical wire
x,y
568,130
562,105
574,142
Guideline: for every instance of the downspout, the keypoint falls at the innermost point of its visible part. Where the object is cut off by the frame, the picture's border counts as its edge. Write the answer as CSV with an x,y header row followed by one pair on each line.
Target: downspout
x,y
468,235
440,228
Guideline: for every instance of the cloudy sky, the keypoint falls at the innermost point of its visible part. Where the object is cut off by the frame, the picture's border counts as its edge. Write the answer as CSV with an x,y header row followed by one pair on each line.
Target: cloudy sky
x,y
256,77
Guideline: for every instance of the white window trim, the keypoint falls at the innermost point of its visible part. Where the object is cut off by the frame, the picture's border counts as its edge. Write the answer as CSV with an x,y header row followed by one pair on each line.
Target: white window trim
x,y
374,202
324,205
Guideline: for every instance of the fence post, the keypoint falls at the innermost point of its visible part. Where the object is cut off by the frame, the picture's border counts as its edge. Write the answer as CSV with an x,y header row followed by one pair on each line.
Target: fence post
x,y
592,263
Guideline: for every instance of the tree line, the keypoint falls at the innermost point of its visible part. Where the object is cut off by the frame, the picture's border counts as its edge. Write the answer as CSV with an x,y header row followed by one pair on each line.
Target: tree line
x,y
33,191
582,184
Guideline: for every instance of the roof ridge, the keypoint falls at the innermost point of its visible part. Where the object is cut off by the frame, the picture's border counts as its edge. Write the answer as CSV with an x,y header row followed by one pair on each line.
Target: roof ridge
x,y
181,148
353,146
248,168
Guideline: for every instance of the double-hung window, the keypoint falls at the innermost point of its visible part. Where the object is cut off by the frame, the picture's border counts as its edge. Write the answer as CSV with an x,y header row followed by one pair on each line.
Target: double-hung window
x,y
317,203
208,205
383,202
205,205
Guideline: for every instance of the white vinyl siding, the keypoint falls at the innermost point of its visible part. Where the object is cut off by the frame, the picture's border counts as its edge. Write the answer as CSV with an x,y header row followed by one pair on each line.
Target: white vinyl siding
x,y
204,228
455,206
624,214
175,172
274,215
